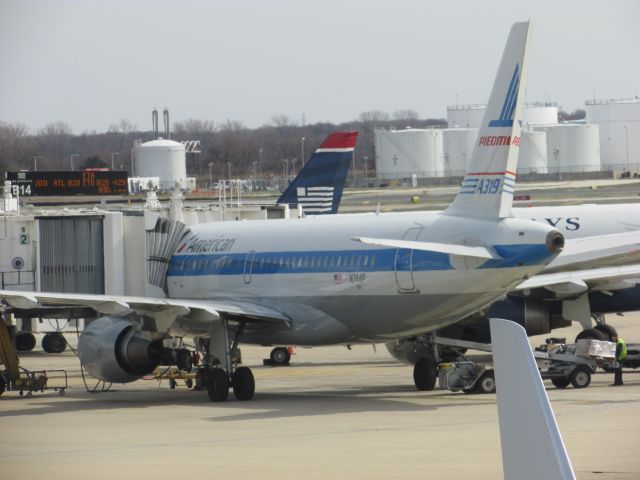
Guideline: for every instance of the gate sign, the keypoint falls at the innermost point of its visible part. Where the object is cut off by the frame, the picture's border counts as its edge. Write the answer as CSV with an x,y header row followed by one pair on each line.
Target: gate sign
x,y
87,182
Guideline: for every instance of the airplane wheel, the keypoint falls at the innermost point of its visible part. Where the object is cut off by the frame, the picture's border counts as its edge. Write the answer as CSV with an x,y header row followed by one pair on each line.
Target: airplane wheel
x,y
580,377
280,356
25,342
425,374
172,384
486,383
608,330
54,343
561,382
184,360
591,333
218,385
244,385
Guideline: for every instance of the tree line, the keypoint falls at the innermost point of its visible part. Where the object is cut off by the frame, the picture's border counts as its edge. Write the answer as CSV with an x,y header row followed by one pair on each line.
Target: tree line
x,y
270,149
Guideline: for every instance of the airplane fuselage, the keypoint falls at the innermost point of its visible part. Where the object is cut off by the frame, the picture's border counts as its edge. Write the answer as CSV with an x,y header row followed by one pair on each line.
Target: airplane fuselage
x,y
337,290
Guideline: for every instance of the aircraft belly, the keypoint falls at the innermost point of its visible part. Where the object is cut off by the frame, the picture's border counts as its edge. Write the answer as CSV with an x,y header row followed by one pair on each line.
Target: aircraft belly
x,y
345,307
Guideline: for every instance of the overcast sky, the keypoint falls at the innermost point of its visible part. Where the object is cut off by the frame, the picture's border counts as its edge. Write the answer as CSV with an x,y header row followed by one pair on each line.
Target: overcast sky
x,y
90,63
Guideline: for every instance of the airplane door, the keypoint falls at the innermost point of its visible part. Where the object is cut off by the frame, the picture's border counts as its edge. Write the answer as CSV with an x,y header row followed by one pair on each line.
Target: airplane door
x,y
404,262
248,266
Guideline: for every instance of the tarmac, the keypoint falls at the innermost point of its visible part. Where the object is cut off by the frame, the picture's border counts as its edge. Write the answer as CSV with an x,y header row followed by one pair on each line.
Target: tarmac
x,y
334,413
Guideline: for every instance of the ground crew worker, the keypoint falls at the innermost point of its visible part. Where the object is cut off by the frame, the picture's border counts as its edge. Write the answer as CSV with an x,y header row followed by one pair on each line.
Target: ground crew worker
x,y
621,353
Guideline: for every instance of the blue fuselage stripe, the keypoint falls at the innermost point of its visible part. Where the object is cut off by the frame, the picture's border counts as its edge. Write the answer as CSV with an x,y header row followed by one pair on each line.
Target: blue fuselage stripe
x,y
381,260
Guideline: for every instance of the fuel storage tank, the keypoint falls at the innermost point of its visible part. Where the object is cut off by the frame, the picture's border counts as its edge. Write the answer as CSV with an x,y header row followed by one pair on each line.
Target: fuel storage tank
x,y
533,153
572,148
457,148
404,153
618,120
164,159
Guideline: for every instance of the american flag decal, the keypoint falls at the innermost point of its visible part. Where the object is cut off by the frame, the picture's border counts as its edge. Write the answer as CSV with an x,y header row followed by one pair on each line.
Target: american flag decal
x,y
316,199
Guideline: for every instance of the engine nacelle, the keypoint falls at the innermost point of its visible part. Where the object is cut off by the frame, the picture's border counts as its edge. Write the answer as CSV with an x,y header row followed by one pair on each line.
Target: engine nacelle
x,y
536,317
114,350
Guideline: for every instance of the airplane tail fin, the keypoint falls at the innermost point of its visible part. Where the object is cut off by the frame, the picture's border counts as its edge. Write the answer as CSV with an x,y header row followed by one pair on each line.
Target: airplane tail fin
x,y
488,185
319,185
532,446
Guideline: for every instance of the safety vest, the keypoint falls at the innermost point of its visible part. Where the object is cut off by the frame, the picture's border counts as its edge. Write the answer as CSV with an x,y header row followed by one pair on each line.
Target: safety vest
x,y
623,349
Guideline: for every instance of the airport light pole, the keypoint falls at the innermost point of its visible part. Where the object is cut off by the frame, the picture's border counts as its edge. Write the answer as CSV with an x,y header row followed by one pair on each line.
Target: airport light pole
x,y
302,150
626,138
35,162
71,159
293,166
260,162
113,155
210,175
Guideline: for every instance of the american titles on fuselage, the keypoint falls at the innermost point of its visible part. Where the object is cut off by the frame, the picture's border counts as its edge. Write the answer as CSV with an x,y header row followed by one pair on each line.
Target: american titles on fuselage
x,y
209,245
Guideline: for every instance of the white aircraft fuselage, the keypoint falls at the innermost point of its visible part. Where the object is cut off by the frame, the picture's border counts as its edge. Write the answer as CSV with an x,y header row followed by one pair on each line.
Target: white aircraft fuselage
x,y
337,290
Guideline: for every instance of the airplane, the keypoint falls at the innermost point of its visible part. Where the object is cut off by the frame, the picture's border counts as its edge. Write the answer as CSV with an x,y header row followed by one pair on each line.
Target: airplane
x,y
319,185
317,188
332,279
594,286
531,444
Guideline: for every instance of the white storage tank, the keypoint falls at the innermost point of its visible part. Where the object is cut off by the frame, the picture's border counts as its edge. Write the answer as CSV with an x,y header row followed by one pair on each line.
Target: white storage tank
x,y
533,153
572,148
458,145
470,116
465,116
403,153
619,124
164,159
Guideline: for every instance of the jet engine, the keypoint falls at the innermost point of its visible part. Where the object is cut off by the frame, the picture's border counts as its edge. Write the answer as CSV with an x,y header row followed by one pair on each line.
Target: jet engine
x,y
113,349
535,316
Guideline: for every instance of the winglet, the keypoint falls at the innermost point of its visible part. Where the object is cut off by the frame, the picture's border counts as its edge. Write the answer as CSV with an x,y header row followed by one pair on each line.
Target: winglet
x,y
319,185
487,187
532,446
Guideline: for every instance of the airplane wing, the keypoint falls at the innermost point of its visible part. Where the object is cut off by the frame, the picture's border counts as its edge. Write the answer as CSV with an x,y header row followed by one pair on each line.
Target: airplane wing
x,y
163,310
570,283
597,251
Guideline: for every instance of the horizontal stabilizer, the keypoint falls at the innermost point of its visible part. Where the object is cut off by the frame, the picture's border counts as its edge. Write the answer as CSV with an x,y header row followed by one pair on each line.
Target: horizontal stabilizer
x,y
448,248
578,250
532,447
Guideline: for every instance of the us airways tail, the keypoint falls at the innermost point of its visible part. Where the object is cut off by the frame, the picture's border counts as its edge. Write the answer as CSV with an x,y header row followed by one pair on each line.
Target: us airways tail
x,y
319,185
487,188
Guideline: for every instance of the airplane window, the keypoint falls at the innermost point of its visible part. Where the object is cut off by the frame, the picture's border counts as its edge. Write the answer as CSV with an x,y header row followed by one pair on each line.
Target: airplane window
x,y
182,265
261,263
326,261
345,261
228,262
281,262
353,261
313,263
339,262
373,260
299,262
287,263
359,261
305,264
366,260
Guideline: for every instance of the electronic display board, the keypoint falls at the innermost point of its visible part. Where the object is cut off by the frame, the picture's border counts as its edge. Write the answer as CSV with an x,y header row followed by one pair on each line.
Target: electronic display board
x,y
85,182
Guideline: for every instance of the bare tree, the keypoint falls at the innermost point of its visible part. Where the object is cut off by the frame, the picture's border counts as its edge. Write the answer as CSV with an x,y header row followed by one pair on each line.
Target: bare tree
x,y
405,115
374,117
124,126
15,145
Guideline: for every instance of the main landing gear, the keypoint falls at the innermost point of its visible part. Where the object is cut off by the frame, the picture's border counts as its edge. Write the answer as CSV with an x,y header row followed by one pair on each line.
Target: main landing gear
x,y
221,372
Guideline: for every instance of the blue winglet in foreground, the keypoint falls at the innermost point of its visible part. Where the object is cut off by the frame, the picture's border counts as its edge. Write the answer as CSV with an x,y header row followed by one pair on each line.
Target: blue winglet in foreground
x,y
319,185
